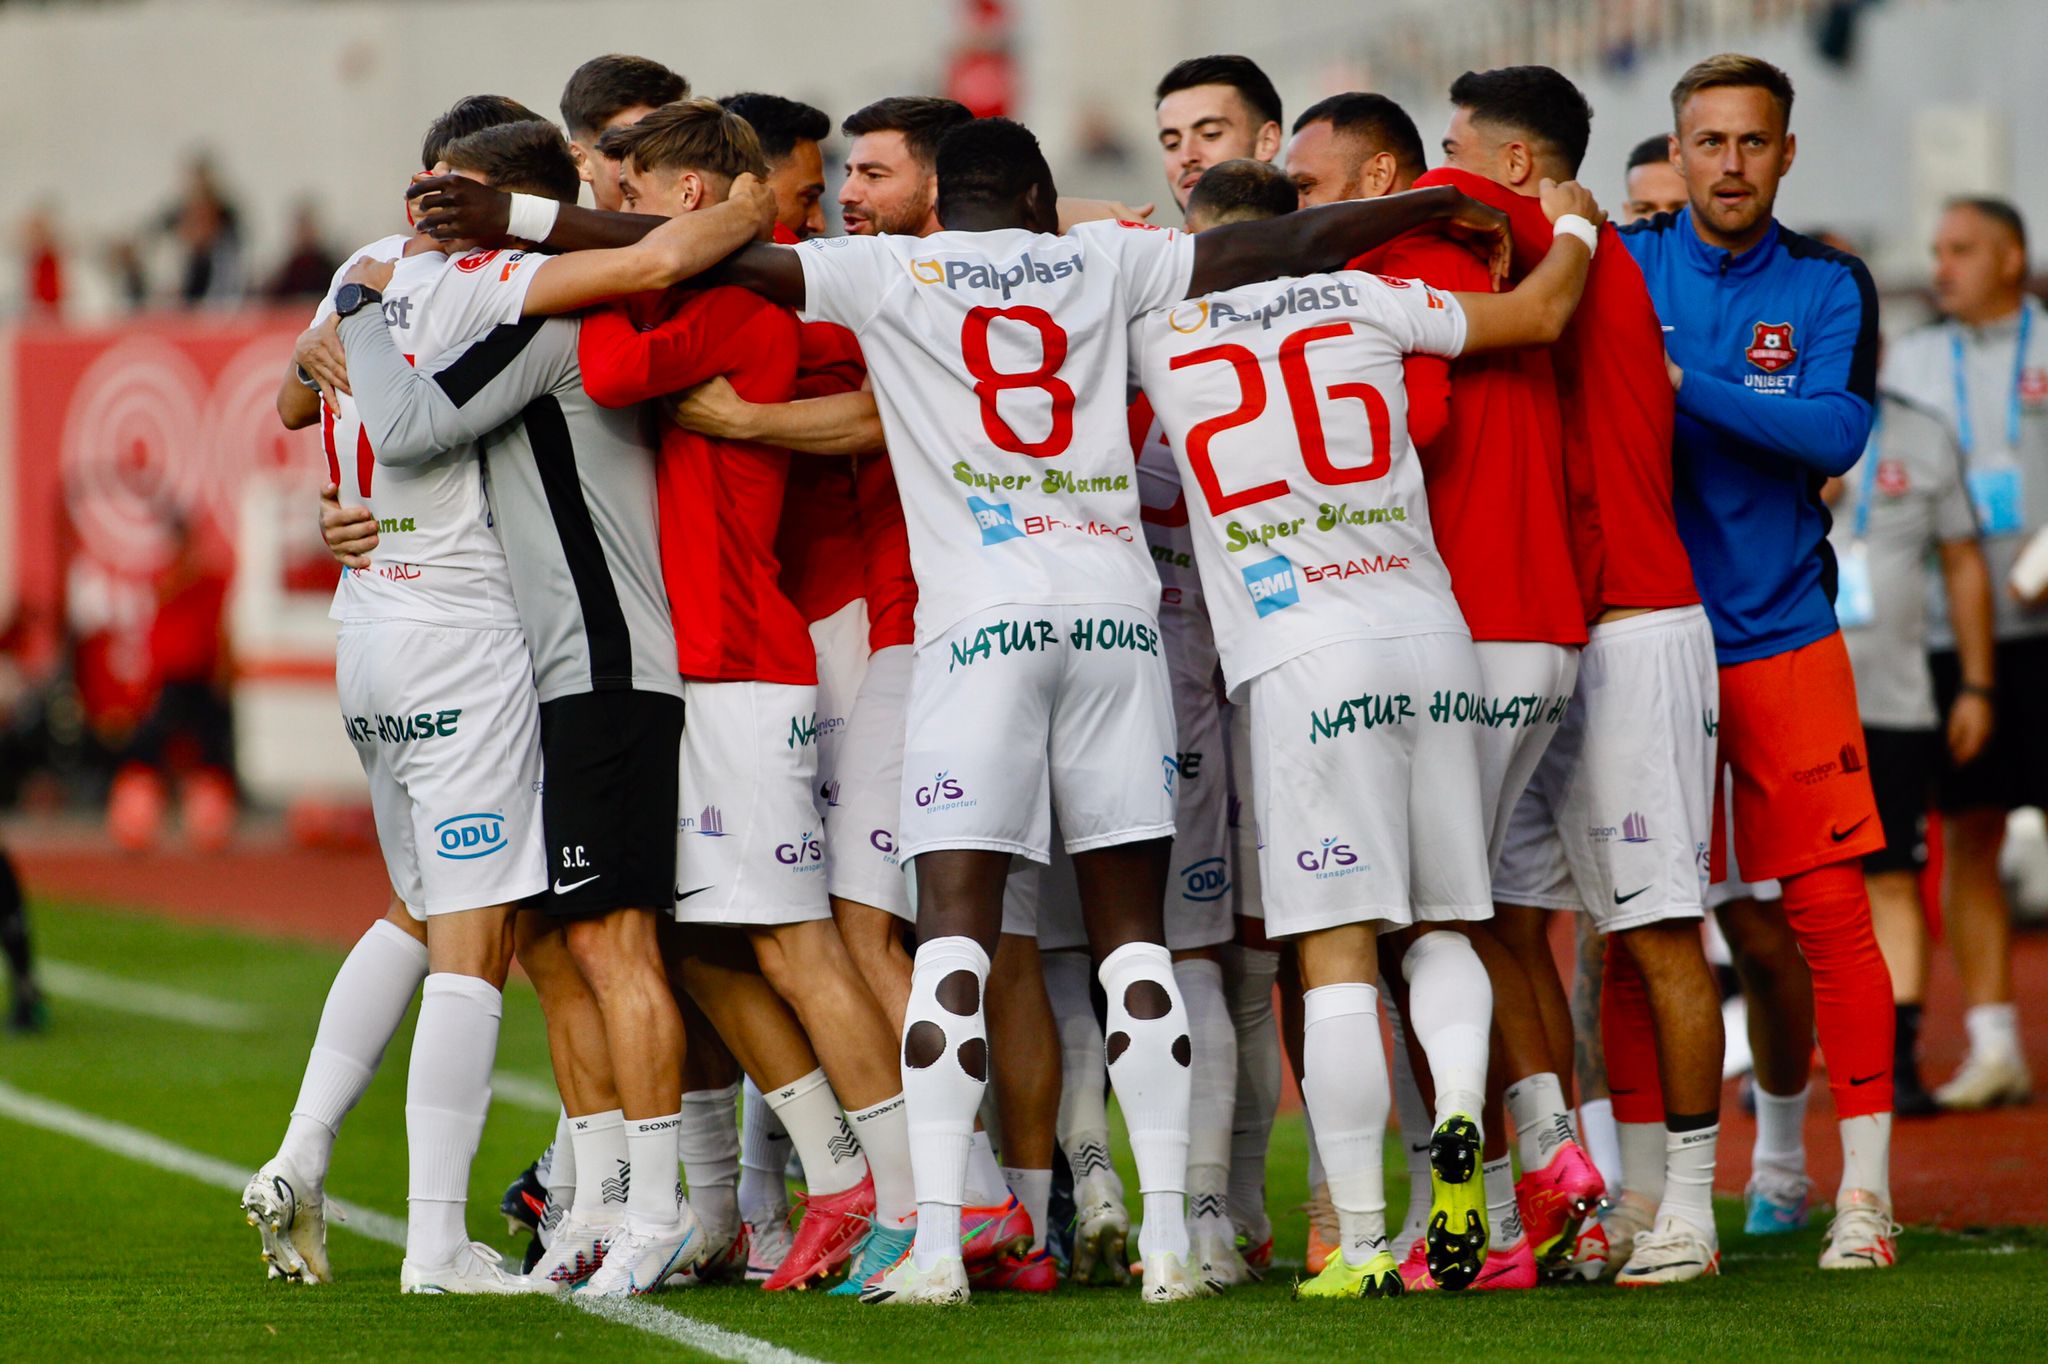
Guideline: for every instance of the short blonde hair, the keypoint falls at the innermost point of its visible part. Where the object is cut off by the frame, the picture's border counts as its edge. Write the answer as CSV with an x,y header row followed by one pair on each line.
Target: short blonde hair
x,y
691,134
1736,70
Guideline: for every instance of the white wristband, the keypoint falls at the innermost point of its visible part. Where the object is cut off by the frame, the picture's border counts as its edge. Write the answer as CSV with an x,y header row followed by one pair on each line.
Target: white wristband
x,y
532,217
1571,225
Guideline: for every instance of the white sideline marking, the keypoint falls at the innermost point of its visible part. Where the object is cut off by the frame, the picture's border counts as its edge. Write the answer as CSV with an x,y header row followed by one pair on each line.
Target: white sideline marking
x,y
137,1145
523,1091
68,980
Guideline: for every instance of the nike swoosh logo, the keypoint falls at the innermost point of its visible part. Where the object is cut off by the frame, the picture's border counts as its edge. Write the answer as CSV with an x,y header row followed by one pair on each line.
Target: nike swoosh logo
x,y
561,889
1865,1079
1621,899
682,894
1843,835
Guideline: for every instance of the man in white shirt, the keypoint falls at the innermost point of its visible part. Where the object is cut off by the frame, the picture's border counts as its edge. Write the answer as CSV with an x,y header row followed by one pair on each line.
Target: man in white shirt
x,y
1338,630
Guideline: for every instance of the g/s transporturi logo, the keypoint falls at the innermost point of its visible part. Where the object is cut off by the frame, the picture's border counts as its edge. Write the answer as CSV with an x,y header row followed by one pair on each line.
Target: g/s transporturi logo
x,y
463,837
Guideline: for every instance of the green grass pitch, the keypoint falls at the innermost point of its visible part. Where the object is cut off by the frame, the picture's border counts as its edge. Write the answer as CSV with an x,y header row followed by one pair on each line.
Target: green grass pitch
x,y
105,1256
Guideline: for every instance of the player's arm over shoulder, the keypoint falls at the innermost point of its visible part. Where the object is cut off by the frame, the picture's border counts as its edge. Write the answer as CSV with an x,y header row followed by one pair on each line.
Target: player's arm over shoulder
x,y
1537,310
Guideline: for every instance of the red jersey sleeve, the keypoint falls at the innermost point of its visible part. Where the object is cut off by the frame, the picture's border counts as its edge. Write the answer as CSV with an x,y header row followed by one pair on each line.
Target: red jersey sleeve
x,y
1423,254
730,332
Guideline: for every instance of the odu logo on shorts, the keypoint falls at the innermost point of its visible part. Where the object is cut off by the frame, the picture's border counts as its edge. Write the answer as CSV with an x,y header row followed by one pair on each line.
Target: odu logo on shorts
x,y
463,837
995,520
1206,880
1271,584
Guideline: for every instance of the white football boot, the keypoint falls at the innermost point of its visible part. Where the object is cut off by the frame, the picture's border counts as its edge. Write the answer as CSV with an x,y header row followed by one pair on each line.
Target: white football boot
x,y
943,1285
476,1269
290,1213
575,1251
641,1257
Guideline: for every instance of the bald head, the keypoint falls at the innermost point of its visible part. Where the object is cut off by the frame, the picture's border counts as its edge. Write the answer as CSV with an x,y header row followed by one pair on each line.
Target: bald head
x,y
1240,191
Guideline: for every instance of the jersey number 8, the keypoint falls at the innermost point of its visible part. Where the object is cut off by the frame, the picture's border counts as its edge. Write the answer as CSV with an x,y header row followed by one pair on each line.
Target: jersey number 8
x,y
991,383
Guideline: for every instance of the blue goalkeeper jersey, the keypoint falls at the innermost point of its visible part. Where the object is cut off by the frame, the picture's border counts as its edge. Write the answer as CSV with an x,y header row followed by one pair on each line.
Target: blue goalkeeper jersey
x,y
1779,349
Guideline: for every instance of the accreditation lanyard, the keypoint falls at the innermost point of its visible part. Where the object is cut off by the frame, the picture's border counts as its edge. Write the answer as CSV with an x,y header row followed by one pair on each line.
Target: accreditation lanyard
x,y
1965,428
1861,526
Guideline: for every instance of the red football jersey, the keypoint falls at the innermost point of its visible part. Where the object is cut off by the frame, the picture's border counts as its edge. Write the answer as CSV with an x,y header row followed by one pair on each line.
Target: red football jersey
x,y
885,563
1618,408
819,542
1495,471
720,501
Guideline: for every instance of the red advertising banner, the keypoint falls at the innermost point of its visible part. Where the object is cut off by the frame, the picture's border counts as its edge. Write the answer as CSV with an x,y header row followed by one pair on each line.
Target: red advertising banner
x,y
123,448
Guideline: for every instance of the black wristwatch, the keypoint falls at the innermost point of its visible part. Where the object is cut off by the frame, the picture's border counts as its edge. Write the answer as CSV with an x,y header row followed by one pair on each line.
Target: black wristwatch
x,y
351,299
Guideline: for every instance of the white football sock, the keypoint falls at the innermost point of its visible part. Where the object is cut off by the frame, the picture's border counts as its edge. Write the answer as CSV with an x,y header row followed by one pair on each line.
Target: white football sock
x,y
709,1147
1503,1217
653,1149
1450,1007
365,1005
1212,1089
1867,1155
1317,1176
1689,1178
943,1094
884,1135
447,1094
1258,1088
1416,1130
1345,1083
1542,1121
1643,1160
985,1187
1150,1055
1603,1143
1034,1190
604,1171
1994,1029
764,1156
809,1111
556,1168
1083,1123
1780,1133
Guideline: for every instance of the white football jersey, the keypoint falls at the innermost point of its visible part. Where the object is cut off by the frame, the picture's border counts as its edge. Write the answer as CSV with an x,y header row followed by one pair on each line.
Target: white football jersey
x,y
1287,414
437,559
998,361
1163,504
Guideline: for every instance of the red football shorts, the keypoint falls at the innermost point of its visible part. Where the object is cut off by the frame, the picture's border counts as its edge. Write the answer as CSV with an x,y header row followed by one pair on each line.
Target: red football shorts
x,y
1793,743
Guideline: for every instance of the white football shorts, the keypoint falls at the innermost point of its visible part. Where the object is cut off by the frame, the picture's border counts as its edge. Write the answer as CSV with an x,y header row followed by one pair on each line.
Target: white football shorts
x,y
750,848
1020,711
1245,899
446,725
841,641
1365,777
1042,900
1198,879
866,790
1524,689
1618,816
